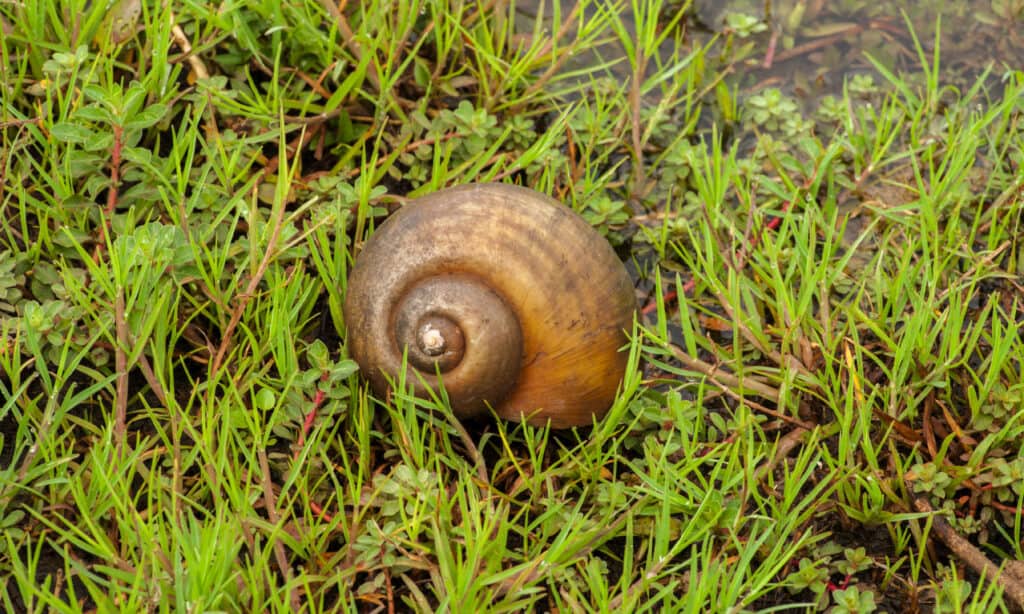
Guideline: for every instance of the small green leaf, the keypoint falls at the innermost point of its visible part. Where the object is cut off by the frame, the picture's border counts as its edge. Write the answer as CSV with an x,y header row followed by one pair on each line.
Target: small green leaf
x,y
96,93
308,378
318,356
342,370
265,399
11,519
71,133
100,141
147,117
95,113
138,155
134,98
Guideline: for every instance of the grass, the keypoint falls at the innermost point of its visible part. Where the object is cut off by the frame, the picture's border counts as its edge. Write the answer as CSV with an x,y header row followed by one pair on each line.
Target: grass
x,y
824,403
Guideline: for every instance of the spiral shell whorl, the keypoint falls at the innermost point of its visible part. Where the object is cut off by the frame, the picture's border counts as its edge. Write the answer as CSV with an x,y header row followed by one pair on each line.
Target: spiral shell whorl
x,y
454,324
554,299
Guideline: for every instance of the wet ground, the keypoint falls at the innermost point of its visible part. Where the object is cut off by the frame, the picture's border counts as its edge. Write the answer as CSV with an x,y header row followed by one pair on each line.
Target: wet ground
x,y
811,48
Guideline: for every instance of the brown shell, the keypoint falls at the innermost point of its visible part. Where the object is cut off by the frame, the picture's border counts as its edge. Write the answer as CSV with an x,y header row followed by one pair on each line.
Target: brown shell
x,y
554,355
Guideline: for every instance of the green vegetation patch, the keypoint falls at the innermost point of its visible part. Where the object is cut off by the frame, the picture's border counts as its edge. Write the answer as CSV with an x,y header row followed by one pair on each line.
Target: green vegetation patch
x,y
824,408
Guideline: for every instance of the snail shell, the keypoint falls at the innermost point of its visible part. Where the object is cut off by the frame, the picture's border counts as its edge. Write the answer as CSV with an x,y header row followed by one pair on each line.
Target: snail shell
x,y
517,301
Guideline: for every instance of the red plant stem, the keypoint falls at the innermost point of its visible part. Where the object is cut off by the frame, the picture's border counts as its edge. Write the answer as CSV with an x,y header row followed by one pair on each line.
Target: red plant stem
x,y
321,513
769,55
115,168
115,180
307,424
668,297
832,586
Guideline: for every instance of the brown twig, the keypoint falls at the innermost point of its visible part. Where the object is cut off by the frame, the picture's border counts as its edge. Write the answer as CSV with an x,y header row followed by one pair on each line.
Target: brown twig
x,y
154,383
12,123
727,381
334,10
761,408
643,582
787,361
473,452
186,48
713,372
818,43
198,67
1013,587
276,224
769,55
560,59
787,443
271,505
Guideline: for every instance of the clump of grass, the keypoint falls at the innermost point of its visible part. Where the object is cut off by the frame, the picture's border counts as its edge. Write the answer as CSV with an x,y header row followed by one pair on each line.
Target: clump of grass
x,y
825,373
